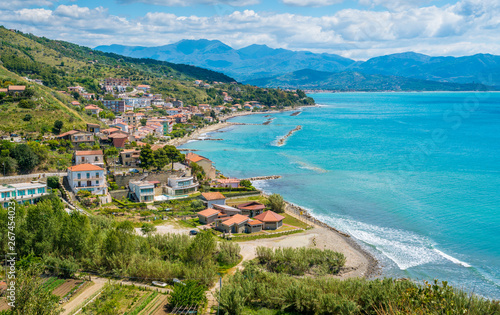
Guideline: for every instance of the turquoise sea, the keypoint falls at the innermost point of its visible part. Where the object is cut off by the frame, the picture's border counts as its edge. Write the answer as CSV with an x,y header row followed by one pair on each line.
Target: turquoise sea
x,y
415,177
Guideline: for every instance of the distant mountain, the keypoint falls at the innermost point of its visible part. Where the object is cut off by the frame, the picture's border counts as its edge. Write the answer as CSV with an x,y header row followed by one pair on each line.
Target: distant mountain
x,y
254,61
260,61
480,68
356,81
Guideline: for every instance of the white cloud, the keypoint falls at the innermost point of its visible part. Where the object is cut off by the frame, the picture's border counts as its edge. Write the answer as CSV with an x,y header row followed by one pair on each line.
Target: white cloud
x,y
311,3
468,27
186,3
16,4
395,5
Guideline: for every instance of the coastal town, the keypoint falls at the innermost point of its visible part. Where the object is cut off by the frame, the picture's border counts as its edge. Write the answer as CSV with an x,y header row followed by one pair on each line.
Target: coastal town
x,y
127,166
131,185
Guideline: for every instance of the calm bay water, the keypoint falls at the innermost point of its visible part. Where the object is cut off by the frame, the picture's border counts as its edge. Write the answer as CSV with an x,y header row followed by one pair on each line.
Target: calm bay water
x,y
415,177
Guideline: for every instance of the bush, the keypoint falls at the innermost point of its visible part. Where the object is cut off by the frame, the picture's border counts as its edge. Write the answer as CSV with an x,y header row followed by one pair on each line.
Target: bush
x,y
53,182
27,117
276,203
298,261
229,253
187,294
26,104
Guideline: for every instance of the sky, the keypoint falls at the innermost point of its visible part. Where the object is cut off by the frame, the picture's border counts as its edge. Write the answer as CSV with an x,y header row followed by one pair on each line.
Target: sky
x,y
358,29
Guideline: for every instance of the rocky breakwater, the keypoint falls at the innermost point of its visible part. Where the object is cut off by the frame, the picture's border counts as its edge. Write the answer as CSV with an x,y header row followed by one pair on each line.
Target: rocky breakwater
x,y
282,140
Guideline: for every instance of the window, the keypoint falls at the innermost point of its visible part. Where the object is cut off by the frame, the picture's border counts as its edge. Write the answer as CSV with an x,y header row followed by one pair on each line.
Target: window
x,y
41,190
79,176
6,194
88,175
96,159
97,182
31,191
97,175
21,192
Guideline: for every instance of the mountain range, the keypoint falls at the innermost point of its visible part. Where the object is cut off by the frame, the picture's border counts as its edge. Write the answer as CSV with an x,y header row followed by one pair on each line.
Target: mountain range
x,y
254,63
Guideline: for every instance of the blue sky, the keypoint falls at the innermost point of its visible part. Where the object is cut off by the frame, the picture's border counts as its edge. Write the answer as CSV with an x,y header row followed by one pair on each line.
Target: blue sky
x,y
358,29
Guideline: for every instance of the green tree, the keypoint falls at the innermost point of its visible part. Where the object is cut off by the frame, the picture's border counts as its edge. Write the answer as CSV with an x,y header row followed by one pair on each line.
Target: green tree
x,y
26,159
246,183
27,117
173,154
53,182
58,125
31,296
276,203
203,248
147,157
7,164
143,121
27,104
161,159
188,293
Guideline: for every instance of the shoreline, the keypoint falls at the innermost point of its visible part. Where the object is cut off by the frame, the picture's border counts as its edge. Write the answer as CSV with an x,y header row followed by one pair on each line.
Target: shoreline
x,y
333,239
224,124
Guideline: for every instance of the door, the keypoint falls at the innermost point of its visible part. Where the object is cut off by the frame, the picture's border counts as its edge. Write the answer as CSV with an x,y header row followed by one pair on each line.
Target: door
x,y
89,183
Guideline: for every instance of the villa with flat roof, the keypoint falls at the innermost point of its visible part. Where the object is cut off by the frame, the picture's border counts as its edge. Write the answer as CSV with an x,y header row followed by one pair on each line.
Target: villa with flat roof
x,y
181,186
142,191
23,192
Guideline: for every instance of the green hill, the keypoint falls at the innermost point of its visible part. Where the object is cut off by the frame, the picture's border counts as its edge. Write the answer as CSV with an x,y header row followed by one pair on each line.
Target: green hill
x,y
61,64
356,81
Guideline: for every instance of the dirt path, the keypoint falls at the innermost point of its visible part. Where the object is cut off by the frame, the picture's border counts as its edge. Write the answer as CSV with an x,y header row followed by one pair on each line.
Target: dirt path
x,y
80,298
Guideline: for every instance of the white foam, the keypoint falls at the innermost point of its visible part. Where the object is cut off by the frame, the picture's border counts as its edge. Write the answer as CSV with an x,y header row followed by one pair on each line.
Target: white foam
x,y
452,259
404,248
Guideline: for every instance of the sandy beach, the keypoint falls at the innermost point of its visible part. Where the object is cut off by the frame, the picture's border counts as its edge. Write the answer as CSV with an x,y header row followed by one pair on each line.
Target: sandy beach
x,y
221,125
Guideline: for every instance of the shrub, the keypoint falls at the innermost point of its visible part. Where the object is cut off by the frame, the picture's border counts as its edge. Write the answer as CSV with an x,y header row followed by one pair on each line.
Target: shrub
x,y
229,253
53,182
27,104
187,294
27,117
276,203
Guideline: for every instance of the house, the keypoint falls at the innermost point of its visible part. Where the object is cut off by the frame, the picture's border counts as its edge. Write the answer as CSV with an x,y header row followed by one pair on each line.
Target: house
x,y
119,139
16,89
211,198
130,157
142,191
93,109
22,192
78,137
239,224
87,177
93,128
181,186
251,208
95,157
75,103
226,182
270,219
177,103
248,107
88,96
117,106
204,107
77,89
202,161
143,87
114,82
208,216
228,210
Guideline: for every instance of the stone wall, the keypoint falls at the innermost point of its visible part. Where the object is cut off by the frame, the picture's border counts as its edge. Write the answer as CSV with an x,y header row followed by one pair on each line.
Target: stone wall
x,y
123,180
119,194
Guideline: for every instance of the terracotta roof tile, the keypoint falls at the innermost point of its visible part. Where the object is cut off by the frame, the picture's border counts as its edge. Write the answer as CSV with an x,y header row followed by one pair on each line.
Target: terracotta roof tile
x,y
85,167
213,196
94,152
235,219
269,216
208,212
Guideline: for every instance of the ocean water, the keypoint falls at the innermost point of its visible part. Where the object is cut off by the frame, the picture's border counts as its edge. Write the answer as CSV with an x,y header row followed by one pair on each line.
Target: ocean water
x,y
415,177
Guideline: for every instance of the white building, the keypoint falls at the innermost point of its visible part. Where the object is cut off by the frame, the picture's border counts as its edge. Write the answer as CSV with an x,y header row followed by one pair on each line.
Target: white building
x,y
181,186
23,192
89,157
88,177
144,191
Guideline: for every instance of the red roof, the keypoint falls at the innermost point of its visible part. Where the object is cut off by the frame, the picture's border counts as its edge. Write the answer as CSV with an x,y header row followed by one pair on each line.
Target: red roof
x,y
208,212
94,152
269,216
252,205
254,222
85,167
117,135
193,157
213,196
68,133
235,219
